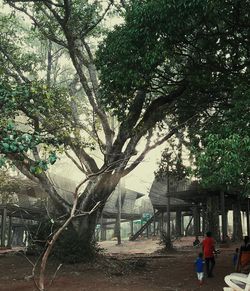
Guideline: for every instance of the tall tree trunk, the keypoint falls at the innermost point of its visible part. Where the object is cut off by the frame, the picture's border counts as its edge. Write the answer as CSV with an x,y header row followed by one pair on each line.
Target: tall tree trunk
x,y
237,225
212,216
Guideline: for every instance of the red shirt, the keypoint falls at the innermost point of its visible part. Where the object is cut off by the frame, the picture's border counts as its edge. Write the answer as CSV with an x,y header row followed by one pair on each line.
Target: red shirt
x,y
208,247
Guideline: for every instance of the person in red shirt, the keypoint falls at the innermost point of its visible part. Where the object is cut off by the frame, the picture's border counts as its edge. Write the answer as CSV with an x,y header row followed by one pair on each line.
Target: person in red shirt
x,y
208,246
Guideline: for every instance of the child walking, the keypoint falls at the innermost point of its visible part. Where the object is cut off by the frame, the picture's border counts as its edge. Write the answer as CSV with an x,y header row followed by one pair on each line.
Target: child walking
x,y
199,268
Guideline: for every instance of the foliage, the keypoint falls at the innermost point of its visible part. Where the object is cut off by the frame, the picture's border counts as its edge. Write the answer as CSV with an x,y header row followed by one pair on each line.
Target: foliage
x,y
171,164
31,103
16,62
222,160
163,44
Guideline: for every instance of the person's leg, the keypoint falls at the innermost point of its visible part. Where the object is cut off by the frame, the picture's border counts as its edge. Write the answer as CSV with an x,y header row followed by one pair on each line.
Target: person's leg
x,y
212,263
200,277
207,266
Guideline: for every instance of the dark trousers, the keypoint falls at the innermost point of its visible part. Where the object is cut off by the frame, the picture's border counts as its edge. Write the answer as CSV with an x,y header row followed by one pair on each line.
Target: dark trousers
x,y
210,262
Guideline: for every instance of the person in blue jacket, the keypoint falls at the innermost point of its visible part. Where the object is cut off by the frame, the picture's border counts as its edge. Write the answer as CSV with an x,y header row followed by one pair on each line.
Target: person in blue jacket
x,y
199,263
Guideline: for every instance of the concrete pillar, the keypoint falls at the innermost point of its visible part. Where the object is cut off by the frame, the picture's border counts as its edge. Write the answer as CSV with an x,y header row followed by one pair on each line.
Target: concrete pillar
x,y
223,216
118,220
147,232
168,228
131,227
162,222
10,233
247,216
178,221
182,225
3,227
196,216
154,224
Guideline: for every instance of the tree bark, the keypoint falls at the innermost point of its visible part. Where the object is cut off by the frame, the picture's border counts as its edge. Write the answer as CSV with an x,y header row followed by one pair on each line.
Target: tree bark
x,y
212,216
237,225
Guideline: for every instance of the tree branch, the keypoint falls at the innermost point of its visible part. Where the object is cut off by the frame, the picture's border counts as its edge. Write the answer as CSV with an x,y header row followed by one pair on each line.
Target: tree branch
x,y
157,109
36,1
80,167
76,57
67,11
49,35
10,59
93,26
147,149
130,121
84,158
53,11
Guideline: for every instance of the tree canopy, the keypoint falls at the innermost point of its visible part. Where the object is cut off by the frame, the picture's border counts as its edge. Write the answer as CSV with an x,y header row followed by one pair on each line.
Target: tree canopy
x,y
200,47
222,158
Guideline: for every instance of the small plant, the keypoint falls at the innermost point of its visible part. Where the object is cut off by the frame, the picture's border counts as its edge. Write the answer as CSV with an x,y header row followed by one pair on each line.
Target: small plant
x,y
166,241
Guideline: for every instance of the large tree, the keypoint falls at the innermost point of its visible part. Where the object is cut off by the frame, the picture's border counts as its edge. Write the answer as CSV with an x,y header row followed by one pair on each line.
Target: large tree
x,y
162,68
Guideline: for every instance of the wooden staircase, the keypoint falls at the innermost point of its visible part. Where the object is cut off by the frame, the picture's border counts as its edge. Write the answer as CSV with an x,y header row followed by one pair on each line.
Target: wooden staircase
x,y
140,231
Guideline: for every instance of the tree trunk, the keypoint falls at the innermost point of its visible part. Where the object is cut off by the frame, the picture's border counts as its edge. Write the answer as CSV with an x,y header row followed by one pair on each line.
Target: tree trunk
x,y
98,189
212,216
237,225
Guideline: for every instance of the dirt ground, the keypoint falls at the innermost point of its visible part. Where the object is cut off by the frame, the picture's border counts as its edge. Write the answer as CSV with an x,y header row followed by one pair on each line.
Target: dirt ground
x,y
131,266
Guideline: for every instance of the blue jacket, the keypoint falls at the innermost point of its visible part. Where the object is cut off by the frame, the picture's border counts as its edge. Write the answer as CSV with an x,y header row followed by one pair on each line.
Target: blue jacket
x,y
199,265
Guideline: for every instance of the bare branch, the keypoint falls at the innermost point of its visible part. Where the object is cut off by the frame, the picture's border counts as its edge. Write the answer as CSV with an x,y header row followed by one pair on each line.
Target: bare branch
x,y
80,167
74,53
55,197
100,143
146,150
54,276
156,144
94,25
13,63
53,11
84,158
50,35
91,68
130,121
35,1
